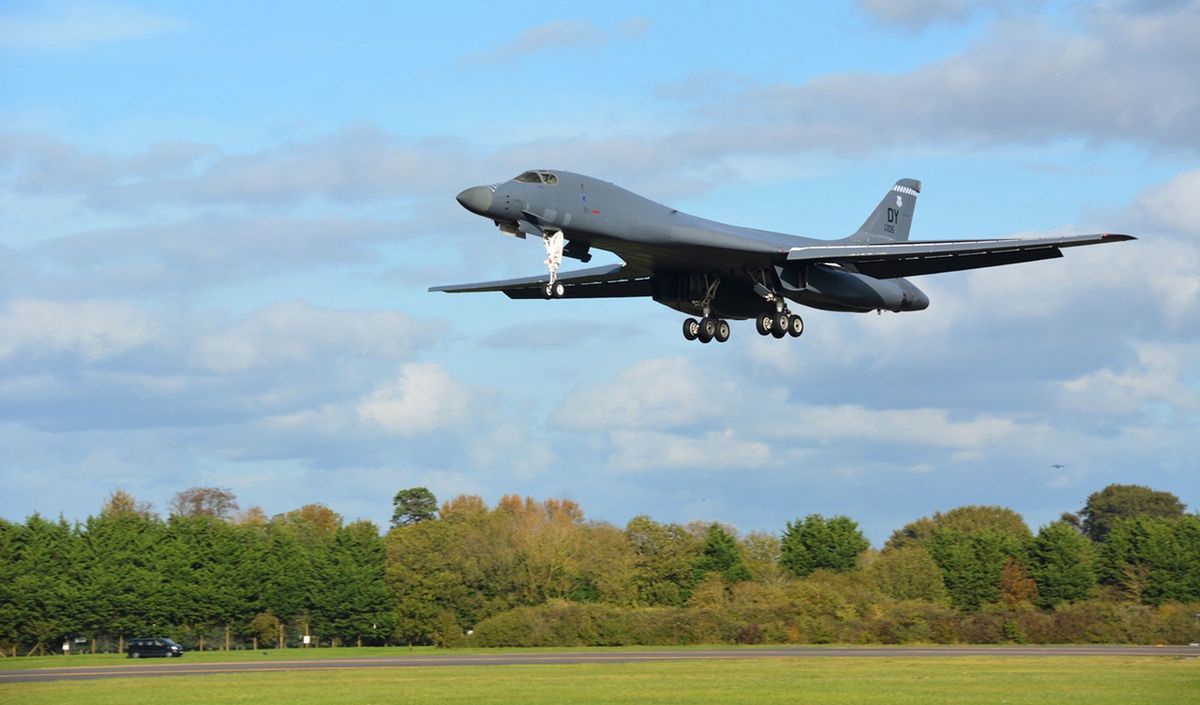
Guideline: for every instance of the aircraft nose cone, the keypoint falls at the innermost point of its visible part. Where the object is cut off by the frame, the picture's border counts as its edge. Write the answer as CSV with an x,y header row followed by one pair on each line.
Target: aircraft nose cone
x,y
477,199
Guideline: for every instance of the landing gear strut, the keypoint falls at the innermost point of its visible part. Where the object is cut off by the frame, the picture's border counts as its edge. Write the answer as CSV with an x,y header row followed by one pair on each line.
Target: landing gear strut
x,y
708,328
553,240
782,322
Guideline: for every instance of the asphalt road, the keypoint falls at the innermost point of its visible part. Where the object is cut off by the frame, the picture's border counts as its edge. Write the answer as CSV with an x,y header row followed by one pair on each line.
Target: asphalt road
x,y
181,667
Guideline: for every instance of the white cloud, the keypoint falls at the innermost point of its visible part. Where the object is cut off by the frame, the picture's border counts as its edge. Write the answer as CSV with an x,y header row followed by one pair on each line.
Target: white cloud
x,y
640,451
655,394
1122,78
1173,206
423,399
300,333
1164,374
93,329
917,426
75,26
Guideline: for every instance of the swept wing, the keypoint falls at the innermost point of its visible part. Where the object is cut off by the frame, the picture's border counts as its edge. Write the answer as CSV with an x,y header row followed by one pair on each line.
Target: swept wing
x,y
910,259
610,280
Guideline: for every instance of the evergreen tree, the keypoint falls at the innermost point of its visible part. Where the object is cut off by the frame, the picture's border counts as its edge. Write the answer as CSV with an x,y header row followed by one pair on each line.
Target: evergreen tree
x,y
123,583
413,505
1153,560
720,555
817,542
11,615
972,564
46,591
357,604
1061,562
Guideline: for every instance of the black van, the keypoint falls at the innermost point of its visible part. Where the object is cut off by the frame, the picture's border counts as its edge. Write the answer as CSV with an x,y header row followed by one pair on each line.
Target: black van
x,y
158,646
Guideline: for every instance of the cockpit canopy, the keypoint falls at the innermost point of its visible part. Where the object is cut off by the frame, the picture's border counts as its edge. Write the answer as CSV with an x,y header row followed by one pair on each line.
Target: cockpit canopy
x,y
538,177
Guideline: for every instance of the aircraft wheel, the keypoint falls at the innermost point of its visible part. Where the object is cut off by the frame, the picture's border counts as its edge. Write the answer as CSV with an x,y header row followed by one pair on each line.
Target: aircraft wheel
x,y
548,291
708,329
762,323
779,324
722,333
691,328
795,326
559,290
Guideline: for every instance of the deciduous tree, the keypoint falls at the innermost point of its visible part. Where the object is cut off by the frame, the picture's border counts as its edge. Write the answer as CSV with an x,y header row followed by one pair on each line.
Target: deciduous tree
x,y
1116,502
217,502
908,573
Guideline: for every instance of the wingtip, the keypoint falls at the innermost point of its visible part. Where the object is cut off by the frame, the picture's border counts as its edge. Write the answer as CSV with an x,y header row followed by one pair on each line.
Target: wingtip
x,y
1116,237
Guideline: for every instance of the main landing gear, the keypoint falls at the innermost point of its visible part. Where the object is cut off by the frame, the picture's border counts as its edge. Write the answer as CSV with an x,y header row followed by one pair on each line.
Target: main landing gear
x,y
706,329
782,322
779,324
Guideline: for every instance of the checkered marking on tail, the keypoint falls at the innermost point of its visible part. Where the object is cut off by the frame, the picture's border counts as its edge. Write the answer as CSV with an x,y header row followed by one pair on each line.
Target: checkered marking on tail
x,y
904,189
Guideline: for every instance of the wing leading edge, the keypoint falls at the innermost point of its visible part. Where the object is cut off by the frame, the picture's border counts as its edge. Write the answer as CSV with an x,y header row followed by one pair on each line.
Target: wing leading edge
x,y
610,280
909,259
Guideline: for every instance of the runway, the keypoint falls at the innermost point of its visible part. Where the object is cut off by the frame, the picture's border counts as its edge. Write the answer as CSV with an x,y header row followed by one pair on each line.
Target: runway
x,y
181,667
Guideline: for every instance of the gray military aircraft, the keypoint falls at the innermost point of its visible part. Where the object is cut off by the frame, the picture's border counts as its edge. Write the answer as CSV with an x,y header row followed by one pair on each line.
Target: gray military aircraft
x,y
716,271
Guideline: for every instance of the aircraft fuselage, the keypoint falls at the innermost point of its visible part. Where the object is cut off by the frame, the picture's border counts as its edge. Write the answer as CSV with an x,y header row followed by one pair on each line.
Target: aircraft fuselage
x,y
681,251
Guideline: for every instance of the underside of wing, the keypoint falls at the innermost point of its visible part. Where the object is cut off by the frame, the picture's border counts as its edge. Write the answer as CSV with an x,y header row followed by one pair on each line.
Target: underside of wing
x,y
909,259
611,280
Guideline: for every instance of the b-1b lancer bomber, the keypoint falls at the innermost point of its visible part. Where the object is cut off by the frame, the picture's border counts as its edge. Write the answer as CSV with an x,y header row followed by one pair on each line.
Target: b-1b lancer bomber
x,y
717,272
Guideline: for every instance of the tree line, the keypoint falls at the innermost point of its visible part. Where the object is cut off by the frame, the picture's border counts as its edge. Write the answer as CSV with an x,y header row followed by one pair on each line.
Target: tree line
x,y
1125,568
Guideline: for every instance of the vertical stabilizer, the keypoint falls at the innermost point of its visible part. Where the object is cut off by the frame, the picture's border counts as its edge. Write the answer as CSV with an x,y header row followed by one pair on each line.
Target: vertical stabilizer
x,y
892,218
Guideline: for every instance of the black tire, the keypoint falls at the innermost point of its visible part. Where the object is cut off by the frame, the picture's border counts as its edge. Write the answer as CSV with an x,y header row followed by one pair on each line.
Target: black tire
x,y
708,328
135,654
779,325
722,333
559,290
762,323
691,328
795,326
547,292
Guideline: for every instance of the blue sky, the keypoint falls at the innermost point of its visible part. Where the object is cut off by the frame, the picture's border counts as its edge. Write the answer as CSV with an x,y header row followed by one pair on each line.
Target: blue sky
x,y
217,225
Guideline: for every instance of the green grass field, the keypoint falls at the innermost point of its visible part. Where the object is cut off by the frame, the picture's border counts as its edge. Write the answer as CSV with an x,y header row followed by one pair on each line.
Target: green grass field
x,y
825,681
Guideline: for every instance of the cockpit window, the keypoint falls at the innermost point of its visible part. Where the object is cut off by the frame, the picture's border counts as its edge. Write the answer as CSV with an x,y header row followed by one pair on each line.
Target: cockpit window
x,y
538,177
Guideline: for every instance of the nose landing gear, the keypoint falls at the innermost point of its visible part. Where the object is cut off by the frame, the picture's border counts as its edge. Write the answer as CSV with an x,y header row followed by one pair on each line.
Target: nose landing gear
x,y
554,241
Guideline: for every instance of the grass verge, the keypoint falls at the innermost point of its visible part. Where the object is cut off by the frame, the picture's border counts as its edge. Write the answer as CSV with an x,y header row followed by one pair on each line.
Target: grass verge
x,y
895,681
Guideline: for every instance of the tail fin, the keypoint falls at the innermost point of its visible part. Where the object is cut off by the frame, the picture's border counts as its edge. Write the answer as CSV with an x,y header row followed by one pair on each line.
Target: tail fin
x,y
892,218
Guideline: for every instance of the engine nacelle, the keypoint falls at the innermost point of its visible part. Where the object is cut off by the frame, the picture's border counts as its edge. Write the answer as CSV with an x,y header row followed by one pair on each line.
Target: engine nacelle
x,y
830,287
